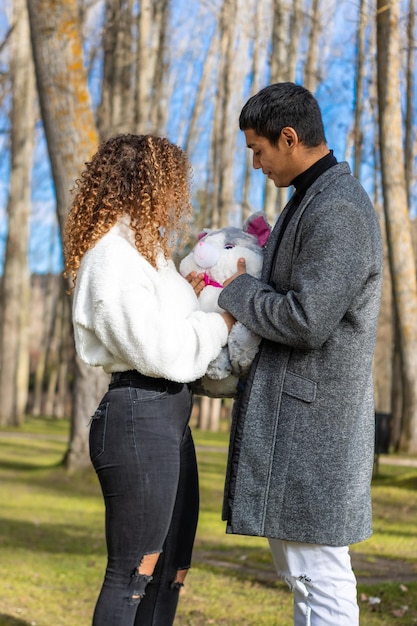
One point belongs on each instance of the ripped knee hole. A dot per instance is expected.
(139, 582)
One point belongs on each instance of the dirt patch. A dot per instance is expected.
(368, 569)
(373, 570)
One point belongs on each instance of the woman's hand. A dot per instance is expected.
(196, 281)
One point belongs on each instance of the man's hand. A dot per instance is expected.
(241, 269)
(196, 281)
(229, 319)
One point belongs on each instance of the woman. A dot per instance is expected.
(135, 316)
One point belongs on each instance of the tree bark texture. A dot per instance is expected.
(402, 263)
(360, 70)
(152, 22)
(14, 327)
(72, 139)
(116, 113)
(311, 73)
(63, 94)
(410, 142)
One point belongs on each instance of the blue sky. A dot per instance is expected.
(335, 95)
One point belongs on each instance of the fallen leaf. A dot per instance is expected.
(400, 612)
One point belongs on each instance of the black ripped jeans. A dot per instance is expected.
(143, 452)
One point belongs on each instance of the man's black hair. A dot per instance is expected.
(280, 105)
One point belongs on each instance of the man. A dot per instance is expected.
(301, 449)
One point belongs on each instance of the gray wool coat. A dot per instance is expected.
(302, 438)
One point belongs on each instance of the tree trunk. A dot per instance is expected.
(53, 356)
(396, 209)
(209, 414)
(145, 67)
(150, 112)
(310, 66)
(383, 357)
(71, 138)
(203, 421)
(255, 77)
(285, 43)
(222, 145)
(387, 378)
(14, 326)
(49, 305)
(295, 18)
(410, 107)
(116, 113)
(273, 197)
(159, 111)
(360, 69)
(228, 127)
(62, 406)
(397, 405)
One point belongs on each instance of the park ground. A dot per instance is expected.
(52, 549)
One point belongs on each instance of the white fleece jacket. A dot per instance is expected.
(128, 315)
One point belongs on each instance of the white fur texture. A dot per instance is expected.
(216, 255)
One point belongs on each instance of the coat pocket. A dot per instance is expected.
(299, 387)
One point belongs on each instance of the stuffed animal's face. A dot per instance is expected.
(217, 252)
(216, 255)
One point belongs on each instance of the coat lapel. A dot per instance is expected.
(271, 246)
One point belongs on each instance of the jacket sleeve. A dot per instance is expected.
(126, 318)
(332, 261)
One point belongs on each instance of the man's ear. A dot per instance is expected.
(289, 136)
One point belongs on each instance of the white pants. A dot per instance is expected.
(322, 581)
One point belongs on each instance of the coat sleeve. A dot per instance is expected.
(126, 318)
(332, 261)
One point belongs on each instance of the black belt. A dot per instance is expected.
(132, 378)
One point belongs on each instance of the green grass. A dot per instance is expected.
(52, 550)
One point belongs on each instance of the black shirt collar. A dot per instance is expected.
(304, 180)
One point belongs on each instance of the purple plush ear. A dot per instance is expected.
(257, 225)
(203, 233)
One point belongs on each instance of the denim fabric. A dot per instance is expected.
(142, 450)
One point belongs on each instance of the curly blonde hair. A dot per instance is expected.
(143, 176)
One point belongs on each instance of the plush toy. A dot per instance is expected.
(215, 255)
